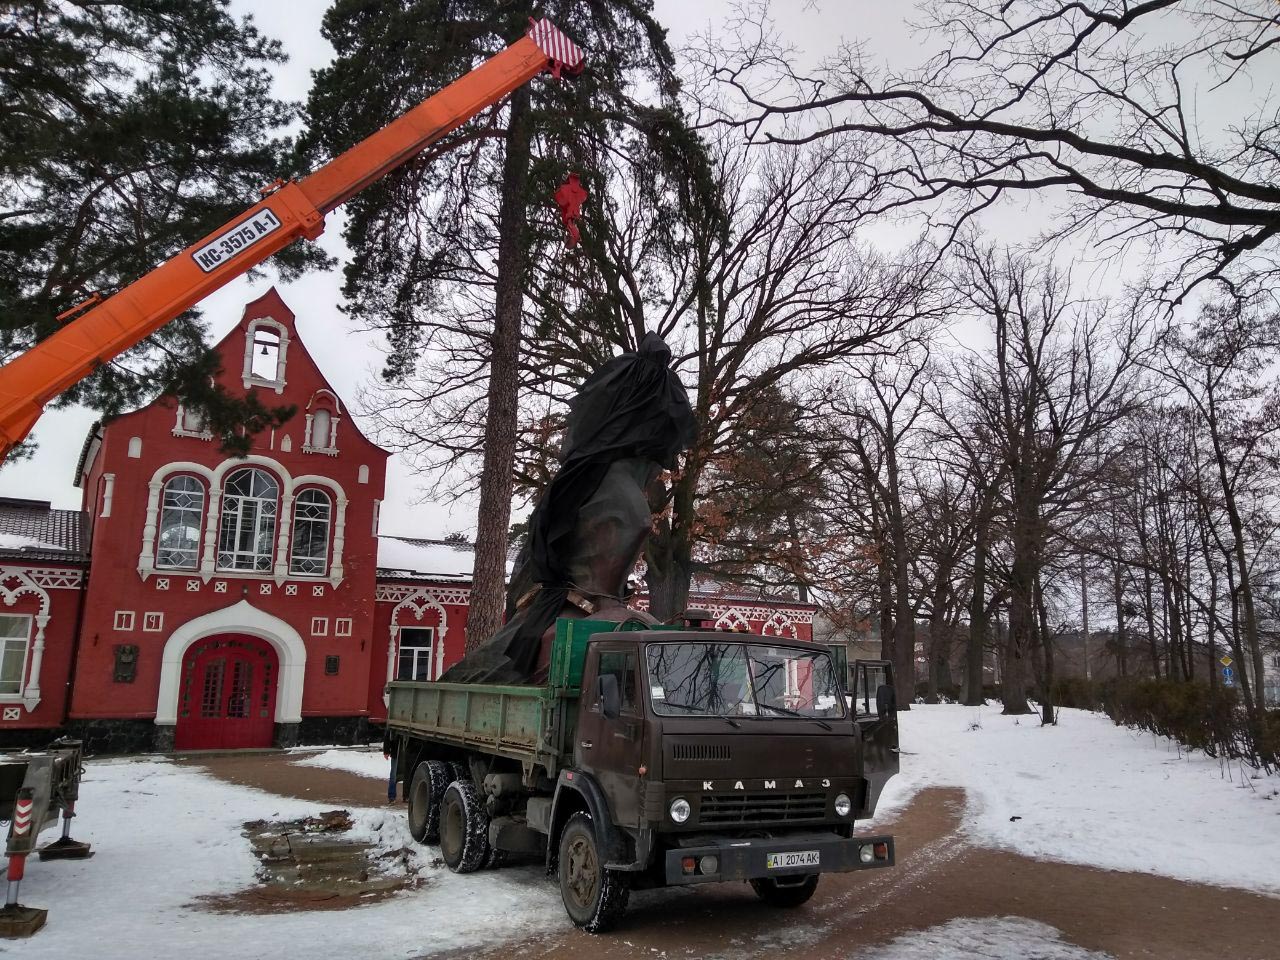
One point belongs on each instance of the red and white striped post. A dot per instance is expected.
(19, 844)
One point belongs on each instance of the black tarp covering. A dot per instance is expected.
(629, 418)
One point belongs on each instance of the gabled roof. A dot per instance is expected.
(33, 530)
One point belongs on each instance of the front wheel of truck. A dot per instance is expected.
(789, 892)
(594, 898)
(464, 828)
(425, 792)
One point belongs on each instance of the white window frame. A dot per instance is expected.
(342, 627)
(190, 424)
(420, 650)
(299, 503)
(319, 626)
(160, 527)
(11, 695)
(233, 505)
(123, 620)
(152, 622)
(249, 378)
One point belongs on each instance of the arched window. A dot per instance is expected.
(246, 539)
(181, 517)
(320, 421)
(311, 513)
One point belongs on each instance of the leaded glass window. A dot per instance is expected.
(311, 533)
(15, 631)
(181, 516)
(246, 537)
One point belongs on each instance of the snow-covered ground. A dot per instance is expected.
(166, 834)
(362, 762)
(1086, 791)
(988, 938)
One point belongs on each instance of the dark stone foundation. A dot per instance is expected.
(146, 736)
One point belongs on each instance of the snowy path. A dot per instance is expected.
(1089, 792)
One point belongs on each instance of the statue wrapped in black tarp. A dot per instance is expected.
(628, 421)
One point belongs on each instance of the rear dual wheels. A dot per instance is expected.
(464, 828)
(426, 790)
(594, 898)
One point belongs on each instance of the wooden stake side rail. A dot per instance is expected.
(33, 379)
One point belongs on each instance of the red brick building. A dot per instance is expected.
(201, 600)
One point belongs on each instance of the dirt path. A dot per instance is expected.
(938, 878)
(280, 774)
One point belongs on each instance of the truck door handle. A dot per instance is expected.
(585, 744)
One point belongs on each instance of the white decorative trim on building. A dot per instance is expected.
(784, 626)
(180, 427)
(247, 377)
(242, 617)
(397, 593)
(790, 615)
(24, 582)
(418, 602)
(53, 578)
(732, 620)
(108, 492)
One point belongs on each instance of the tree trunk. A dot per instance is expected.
(973, 693)
(939, 638)
(1047, 715)
(669, 550)
(1022, 629)
(488, 582)
(1122, 640)
(1148, 609)
(904, 662)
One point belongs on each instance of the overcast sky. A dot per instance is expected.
(349, 359)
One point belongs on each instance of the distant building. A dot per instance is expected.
(200, 600)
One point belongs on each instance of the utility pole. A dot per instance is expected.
(1084, 613)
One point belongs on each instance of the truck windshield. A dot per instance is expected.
(742, 679)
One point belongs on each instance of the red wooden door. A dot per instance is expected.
(227, 698)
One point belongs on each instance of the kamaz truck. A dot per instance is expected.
(654, 756)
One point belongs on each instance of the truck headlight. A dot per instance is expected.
(680, 810)
(843, 805)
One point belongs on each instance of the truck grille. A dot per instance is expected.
(701, 751)
(756, 808)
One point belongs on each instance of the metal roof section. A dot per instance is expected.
(33, 530)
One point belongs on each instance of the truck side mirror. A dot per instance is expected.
(886, 700)
(610, 698)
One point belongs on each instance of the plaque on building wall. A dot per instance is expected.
(126, 668)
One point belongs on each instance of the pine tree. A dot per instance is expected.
(464, 228)
(127, 131)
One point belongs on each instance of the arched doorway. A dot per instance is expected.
(227, 694)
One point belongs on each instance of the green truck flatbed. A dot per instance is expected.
(525, 723)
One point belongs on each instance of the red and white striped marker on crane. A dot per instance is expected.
(560, 50)
(22, 816)
(22, 808)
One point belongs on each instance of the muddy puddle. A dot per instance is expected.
(318, 863)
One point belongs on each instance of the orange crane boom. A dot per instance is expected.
(33, 379)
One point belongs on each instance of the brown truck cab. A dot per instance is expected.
(686, 757)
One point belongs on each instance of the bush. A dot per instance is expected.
(1193, 713)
